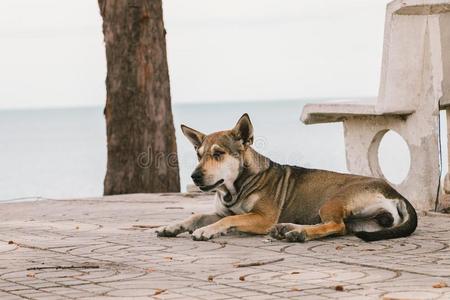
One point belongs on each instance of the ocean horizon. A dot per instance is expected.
(60, 153)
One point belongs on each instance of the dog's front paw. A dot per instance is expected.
(204, 234)
(170, 230)
(296, 236)
(278, 231)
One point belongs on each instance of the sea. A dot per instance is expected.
(61, 153)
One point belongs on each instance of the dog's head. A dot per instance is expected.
(220, 154)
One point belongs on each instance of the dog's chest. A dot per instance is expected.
(240, 207)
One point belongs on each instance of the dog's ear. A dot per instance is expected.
(243, 130)
(194, 136)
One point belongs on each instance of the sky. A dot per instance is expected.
(52, 52)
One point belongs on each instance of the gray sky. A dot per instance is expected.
(52, 53)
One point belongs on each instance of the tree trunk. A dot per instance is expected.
(142, 151)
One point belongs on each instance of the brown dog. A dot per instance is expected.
(256, 195)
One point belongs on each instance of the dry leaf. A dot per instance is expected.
(149, 270)
(440, 285)
(11, 242)
(339, 288)
(31, 275)
(295, 272)
(295, 289)
(242, 278)
(159, 291)
(339, 247)
(258, 263)
(168, 257)
(146, 226)
(210, 278)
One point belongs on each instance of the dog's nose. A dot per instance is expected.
(197, 176)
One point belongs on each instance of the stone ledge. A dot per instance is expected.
(337, 111)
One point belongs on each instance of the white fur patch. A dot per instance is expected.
(201, 150)
(221, 210)
(381, 203)
(370, 205)
(364, 225)
(228, 170)
(376, 203)
(245, 206)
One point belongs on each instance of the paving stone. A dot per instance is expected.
(262, 297)
(108, 258)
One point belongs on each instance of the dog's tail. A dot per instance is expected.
(405, 228)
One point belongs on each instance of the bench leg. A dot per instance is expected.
(362, 139)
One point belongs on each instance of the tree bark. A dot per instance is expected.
(142, 151)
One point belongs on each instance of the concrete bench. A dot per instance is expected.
(414, 86)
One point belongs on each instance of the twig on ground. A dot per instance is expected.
(258, 263)
(64, 267)
(146, 226)
(440, 285)
(159, 291)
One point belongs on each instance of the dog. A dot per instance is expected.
(256, 195)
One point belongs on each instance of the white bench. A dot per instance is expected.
(415, 84)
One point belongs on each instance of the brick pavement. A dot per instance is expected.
(104, 249)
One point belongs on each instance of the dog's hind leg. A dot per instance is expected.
(332, 216)
(317, 231)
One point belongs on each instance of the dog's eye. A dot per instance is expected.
(217, 154)
(199, 156)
